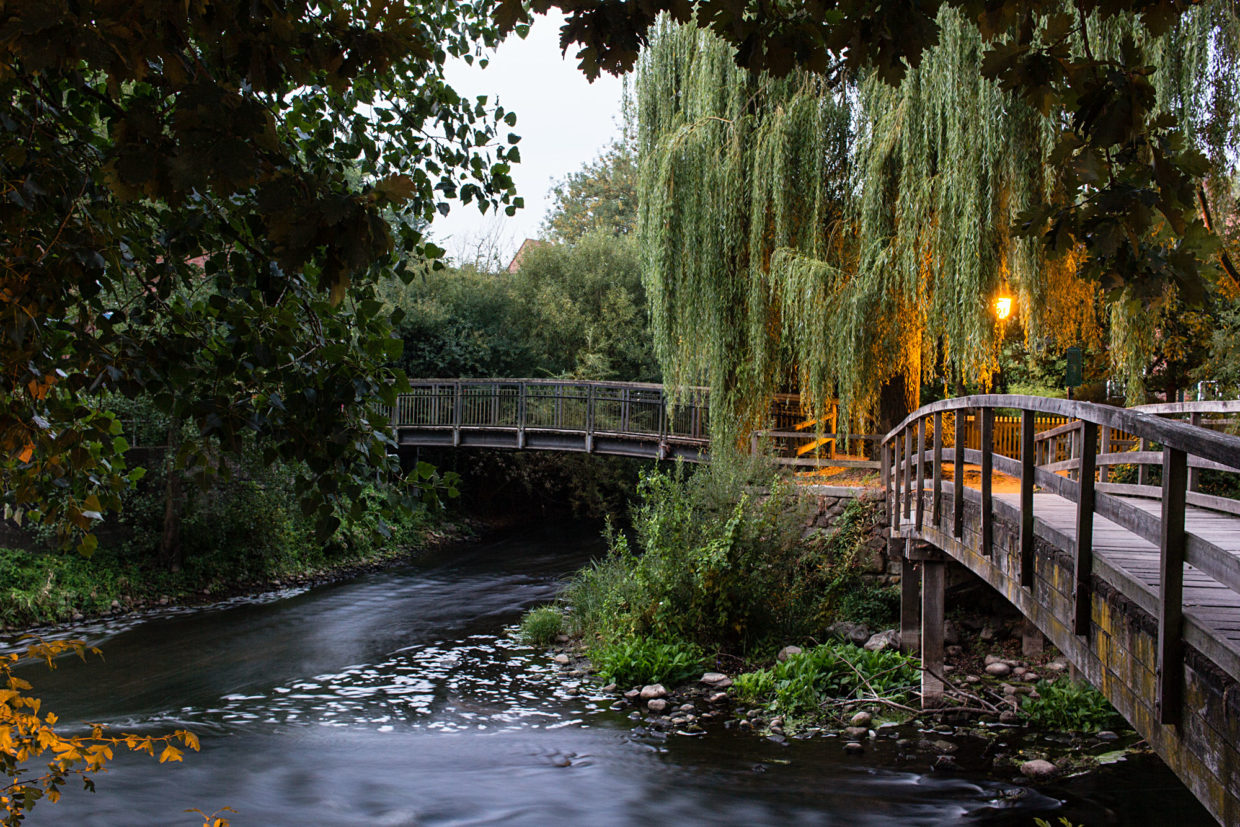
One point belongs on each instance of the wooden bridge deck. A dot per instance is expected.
(1138, 585)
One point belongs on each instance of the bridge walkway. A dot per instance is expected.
(1138, 584)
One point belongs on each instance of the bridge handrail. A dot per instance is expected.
(1141, 422)
(413, 383)
(1185, 448)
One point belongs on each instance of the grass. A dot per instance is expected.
(541, 625)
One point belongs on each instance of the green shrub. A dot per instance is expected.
(722, 559)
(541, 625)
(1071, 706)
(640, 661)
(832, 671)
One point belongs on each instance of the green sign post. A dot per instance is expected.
(1074, 373)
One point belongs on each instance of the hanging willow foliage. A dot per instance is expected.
(830, 241)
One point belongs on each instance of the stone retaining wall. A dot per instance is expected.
(878, 561)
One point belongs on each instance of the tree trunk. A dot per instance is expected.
(893, 403)
(170, 538)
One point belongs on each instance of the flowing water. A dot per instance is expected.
(401, 698)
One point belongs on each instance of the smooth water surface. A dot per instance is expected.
(401, 698)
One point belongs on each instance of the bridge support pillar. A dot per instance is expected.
(910, 602)
(932, 598)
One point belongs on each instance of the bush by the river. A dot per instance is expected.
(720, 559)
(638, 661)
(541, 625)
(1071, 706)
(834, 672)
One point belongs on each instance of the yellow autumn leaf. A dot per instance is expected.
(170, 753)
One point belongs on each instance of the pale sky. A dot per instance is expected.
(563, 120)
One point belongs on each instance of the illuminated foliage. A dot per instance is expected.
(28, 739)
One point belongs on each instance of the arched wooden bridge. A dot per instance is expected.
(1103, 532)
(617, 418)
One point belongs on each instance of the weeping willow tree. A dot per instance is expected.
(848, 243)
(734, 168)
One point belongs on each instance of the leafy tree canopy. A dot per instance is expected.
(839, 241)
(599, 197)
(196, 199)
(1126, 190)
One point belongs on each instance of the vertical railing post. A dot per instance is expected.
(521, 409)
(457, 404)
(589, 419)
(987, 445)
(1027, 467)
(1170, 673)
(1194, 474)
(936, 496)
(958, 479)
(884, 471)
(1143, 473)
(1104, 471)
(1082, 597)
(921, 474)
(898, 477)
(908, 473)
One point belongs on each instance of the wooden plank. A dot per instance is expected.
(1083, 562)
(958, 478)
(988, 452)
(1171, 591)
(921, 474)
(1026, 498)
(908, 473)
(936, 501)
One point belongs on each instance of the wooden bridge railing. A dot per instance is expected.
(611, 411)
(918, 450)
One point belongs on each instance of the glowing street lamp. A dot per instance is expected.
(1003, 307)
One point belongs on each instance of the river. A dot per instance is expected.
(401, 698)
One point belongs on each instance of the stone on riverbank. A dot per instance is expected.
(787, 652)
(716, 680)
(861, 719)
(889, 639)
(998, 669)
(656, 705)
(652, 691)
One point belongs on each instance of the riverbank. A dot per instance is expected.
(1017, 718)
(42, 590)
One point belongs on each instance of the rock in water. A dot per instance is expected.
(1038, 769)
(861, 719)
(716, 680)
(652, 691)
(656, 705)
